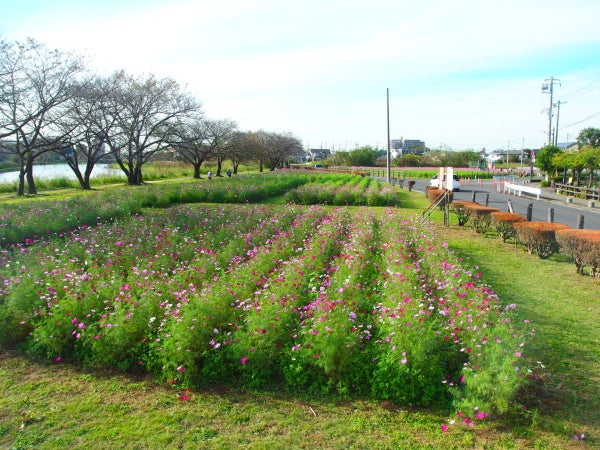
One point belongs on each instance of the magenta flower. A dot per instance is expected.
(243, 360)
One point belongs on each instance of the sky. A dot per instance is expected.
(461, 74)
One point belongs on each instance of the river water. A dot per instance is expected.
(51, 171)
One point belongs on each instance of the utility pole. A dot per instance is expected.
(548, 88)
(389, 175)
(558, 103)
(522, 147)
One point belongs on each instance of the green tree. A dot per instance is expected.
(338, 158)
(409, 160)
(544, 159)
(589, 137)
(590, 159)
(363, 156)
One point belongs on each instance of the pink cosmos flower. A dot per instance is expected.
(243, 360)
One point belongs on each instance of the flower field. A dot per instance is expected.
(26, 222)
(307, 298)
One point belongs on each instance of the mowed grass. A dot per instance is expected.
(54, 405)
(565, 310)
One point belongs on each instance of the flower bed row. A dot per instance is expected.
(28, 221)
(313, 299)
(366, 192)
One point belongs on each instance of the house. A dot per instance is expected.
(568, 146)
(318, 153)
(400, 147)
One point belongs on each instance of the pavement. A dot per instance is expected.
(550, 195)
(551, 206)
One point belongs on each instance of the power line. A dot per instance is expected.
(582, 120)
(584, 90)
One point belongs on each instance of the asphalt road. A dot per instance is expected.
(550, 204)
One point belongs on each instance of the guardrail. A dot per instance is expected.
(577, 191)
(519, 189)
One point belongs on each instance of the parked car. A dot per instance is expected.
(318, 166)
(455, 182)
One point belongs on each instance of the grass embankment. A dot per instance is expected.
(57, 406)
(564, 309)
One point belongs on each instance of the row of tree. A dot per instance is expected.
(369, 157)
(585, 158)
(51, 102)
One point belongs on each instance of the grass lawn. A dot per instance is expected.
(52, 405)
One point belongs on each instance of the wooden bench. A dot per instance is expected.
(518, 189)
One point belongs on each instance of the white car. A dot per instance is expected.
(455, 182)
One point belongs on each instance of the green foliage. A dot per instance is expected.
(450, 158)
(492, 375)
(258, 296)
(462, 212)
(364, 156)
(589, 136)
(545, 158)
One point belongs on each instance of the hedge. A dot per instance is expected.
(504, 222)
(583, 246)
(539, 237)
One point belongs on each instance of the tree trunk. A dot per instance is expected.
(31, 189)
(135, 177)
(73, 163)
(219, 165)
(79, 175)
(197, 170)
(85, 182)
(21, 188)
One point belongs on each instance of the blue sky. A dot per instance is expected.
(462, 74)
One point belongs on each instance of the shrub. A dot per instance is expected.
(582, 246)
(539, 237)
(434, 195)
(462, 211)
(504, 222)
(480, 217)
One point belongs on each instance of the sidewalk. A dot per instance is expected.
(550, 195)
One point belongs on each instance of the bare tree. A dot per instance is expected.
(280, 148)
(144, 111)
(189, 142)
(89, 120)
(243, 148)
(219, 139)
(35, 83)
